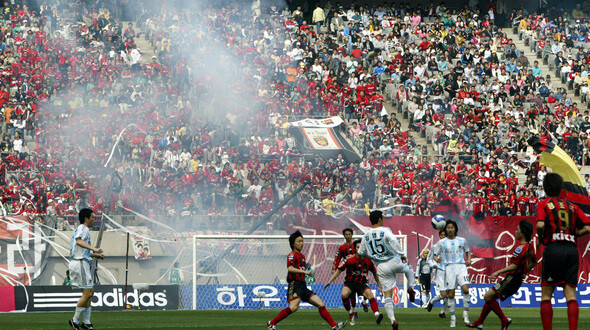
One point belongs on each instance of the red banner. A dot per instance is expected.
(491, 240)
(18, 240)
(7, 298)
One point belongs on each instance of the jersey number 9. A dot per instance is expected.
(564, 219)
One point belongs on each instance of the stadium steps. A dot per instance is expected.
(420, 141)
(144, 45)
(146, 49)
(532, 57)
(351, 143)
(72, 40)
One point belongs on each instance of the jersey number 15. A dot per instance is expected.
(376, 246)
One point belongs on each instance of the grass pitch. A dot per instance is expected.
(522, 318)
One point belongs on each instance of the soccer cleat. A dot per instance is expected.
(87, 326)
(270, 326)
(411, 294)
(339, 325)
(379, 318)
(453, 321)
(429, 307)
(394, 325)
(352, 318)
(475, 325)
(442, 315)
(365, 305)
(73, 324)
(506, 324)
(466, 317)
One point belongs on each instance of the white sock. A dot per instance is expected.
(388, 304)
(410, 275)
(445, 305)
(78, 313)
(466, 301)
(350, 311)
(87, 312)
(424, 298)
(436, 298)
(451, 303)
(354, 309)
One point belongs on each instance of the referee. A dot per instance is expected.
(423, 275)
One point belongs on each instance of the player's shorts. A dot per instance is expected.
(507, 287)
(388, 270)
(298, 289)
(440, 280)
(425, 282)
(456, 275)
(560, 265)
(80, 275)
(357, 288)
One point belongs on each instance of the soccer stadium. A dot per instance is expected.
(227, 163)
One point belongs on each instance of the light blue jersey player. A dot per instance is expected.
(451, 253)
(81, 252)
(384, 249)
(439, 278)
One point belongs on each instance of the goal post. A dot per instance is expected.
(249, 271)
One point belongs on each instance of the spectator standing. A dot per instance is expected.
(318, 17)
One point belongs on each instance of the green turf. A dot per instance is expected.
(523, 318)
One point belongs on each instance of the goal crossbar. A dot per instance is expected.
(273, 237)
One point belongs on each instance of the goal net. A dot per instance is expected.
(250, 271)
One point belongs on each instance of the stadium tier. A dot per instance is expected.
(201, 134)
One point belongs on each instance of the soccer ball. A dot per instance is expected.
(438, 222)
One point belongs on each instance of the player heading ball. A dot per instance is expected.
(297, 289)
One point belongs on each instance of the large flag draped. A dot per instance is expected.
(574, 189)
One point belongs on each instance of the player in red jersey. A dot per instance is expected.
(297, 290)
(523, 260)
(559, 223)
(357, 269)
(344, 251)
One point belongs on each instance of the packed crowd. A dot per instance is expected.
(562, 41)
(201, 129)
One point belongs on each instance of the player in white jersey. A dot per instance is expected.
(383, 248)
(439, 275)
(81, 252)
(451, 251)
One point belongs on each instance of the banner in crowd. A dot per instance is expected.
(217, 297)
(106, 297)
(491, 240)
(141, 246)
(21, 251)
(324, 122)
(321, 138)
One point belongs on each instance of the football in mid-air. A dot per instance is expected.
(438, 222)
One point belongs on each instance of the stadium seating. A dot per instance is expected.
(189, 107)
